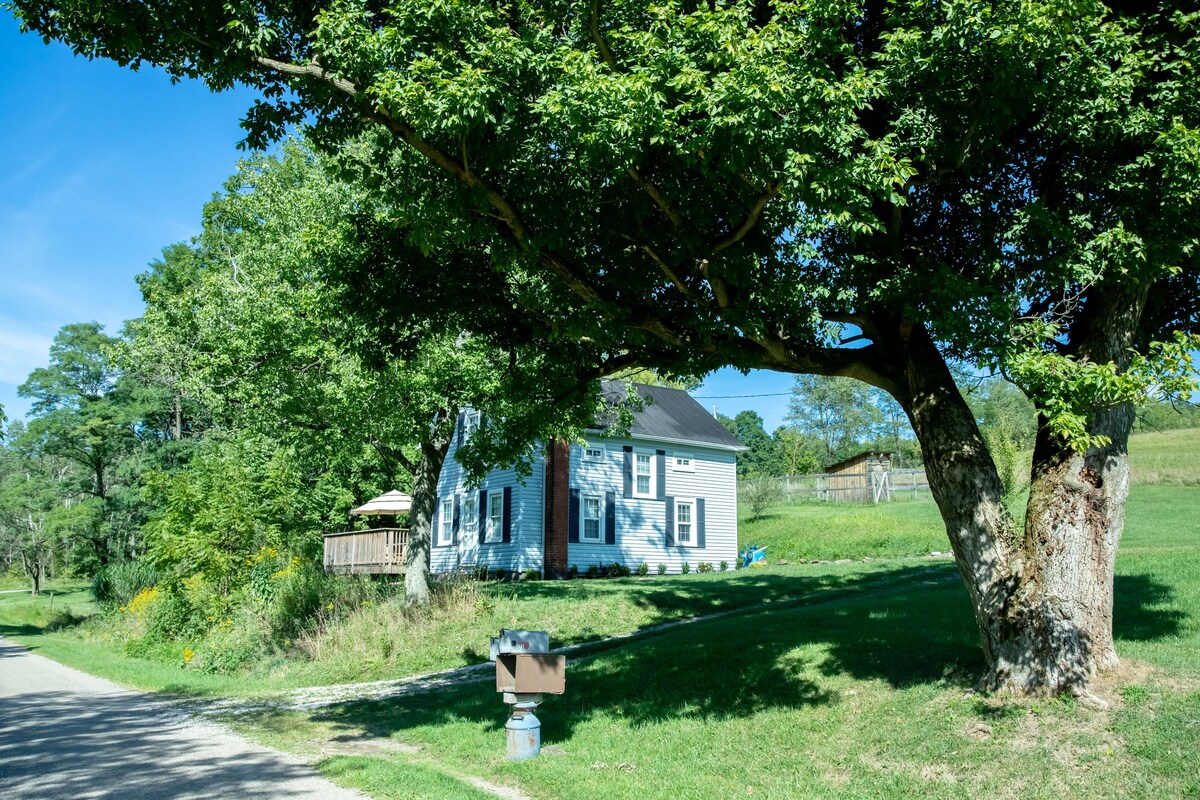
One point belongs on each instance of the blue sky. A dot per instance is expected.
(100, 168)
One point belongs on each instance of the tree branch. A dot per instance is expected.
(649, 188)
(750, 220)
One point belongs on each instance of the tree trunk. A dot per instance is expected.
(965, 484)
(420, 519)
(34, 572)
(1044, 599)
(1060, 626)
(1059, 630)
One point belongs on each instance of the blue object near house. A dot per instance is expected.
(753, 555)
(665, 493)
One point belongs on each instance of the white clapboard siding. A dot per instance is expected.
(641, 523)
(524, 551)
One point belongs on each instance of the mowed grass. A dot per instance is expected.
(832, 531)
(863, 695)
(864, 692)
(911, 525)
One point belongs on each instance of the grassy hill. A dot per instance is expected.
(912, 527)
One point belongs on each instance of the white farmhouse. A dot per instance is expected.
(664, 494)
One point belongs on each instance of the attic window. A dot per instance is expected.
(593, 453)
(470, 424)
(683, 462)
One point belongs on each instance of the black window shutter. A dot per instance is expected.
(573, 517)
(433, 524)
(610, 517)
(670, 521)
(700, 522)
(457, 516)
(507, 513)
(628, 471)
(662, 474)
(459, 427)
(481, 517)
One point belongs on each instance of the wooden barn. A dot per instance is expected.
(862, 478)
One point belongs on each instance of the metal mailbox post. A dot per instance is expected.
(525, 671)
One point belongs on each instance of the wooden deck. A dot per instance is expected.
(380, 551)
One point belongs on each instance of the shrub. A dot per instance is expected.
(593, 571)
(704, 566)
(724, 566)
(761, 494)
(299, 596)
(618, 570)
(161, 616)
(501, 573)
(533, 575)
(662, 569)
(117, 584)
(685, 569)
(643, 569)
(573, 571)
(232, 644)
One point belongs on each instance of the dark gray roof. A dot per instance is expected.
(671, 414)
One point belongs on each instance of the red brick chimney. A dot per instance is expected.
(558, 498)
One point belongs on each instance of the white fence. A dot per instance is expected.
(862, 487)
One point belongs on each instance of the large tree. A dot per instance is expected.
(862, 189)
(250, 326)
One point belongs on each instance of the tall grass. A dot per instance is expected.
(1171, 458)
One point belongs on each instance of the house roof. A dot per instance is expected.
(388, 504)
(671, 415)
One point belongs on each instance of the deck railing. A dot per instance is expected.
(379, 551)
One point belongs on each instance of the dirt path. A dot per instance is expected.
(66, 735)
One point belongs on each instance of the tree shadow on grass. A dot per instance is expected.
(678, 598)
(1143, 609)
(921, 632)
(734, 666)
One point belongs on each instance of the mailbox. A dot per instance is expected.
(525, 670)
(510, 641)
(531, 673)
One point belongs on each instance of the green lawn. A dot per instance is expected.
(380, 641)
(863, 696)
(1170, 457)
(831, 531)
(853, 683)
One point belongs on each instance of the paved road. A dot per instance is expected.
(65, 735)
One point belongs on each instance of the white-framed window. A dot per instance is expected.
(685, 522)
(471, 420)
(643, 475)
(593, 452)
(470, 514)
(495, 509)
(682, 462)
(446, 522)
(592, 529)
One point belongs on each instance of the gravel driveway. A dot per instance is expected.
(70, 736)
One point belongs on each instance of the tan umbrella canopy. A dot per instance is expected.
(386, 505)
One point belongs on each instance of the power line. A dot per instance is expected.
(737, 396)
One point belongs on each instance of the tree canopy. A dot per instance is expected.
(860, 189)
